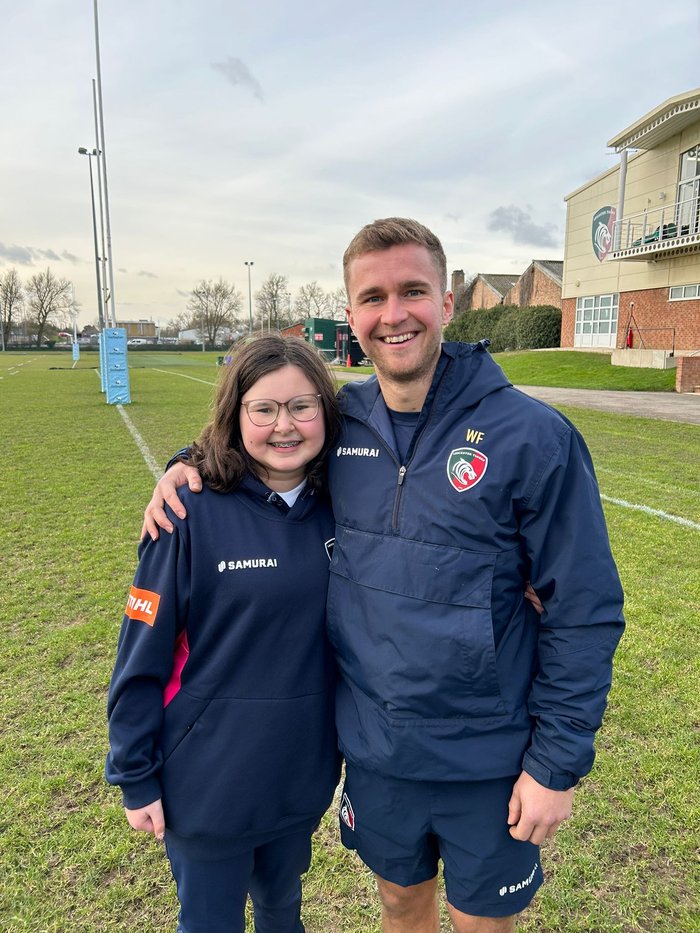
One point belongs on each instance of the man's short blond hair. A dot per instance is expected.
(395, 231)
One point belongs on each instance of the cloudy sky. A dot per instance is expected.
(272, 131)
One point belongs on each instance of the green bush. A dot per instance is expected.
(470, 326)
(506, 333)
(508, 327)
(540, 327)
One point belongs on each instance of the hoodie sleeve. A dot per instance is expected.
(573, 572)
(155, 613)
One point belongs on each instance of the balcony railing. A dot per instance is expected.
(670, 229)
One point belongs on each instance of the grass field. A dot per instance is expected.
(579, 370)
(73, 486)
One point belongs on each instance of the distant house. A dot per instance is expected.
(146, 330)
(294, 330)
(487, 291)
(540, 284)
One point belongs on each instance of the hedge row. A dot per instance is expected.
(509, 327)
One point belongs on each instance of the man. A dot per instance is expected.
(465, 720)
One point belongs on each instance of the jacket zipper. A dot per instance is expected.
(403, 469)
(397, 499)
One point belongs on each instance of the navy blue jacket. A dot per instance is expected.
(446, 672)
(221, 700)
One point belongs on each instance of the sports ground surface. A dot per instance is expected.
(76, 474)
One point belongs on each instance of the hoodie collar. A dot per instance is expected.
(261, 497)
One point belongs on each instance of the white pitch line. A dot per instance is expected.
(658, 513)
(141, 444)
(169, 372)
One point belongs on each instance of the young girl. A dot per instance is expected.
(221, 703)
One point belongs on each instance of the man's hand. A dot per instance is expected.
(154, 518)
(148, 819)
(535, 811)
(533, 598)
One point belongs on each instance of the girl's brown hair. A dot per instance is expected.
(218, 453)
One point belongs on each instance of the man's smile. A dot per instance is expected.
(399, 338)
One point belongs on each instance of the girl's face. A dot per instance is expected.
(285, 447)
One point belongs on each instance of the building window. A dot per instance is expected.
(689, 191)
(596, 321)
(681, 292)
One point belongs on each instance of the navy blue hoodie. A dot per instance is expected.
(446, 672)
(221, 700)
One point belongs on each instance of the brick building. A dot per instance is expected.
(632, 250)
(540, 284)
(147, 330)
(488, 291)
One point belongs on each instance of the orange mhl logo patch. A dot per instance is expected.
(142, 605)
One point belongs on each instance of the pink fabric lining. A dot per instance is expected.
(182, 652)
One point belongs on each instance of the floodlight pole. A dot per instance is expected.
(250, 298)
(111, 310)
(100, 312)
(103, 254)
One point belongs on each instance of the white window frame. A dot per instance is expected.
(688, 197)
(595, 324)
(687, 292)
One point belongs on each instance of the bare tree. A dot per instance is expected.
(11, 299)
(175, 325)
(47, 298)
(182, 321)
(312, 301)
(273, 303)
(216, 308)
(337, 303)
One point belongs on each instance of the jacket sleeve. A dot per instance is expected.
(573, 572)
(155, 613)
(182, 455)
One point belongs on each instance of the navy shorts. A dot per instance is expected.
(400, 829)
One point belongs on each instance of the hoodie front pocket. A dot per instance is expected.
(179, 718)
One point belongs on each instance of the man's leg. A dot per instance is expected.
(489, 876)
(467, 923)
(409, 910)
(386, 821)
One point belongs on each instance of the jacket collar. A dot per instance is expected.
(465, 373)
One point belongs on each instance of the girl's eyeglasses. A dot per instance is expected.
(265, 411)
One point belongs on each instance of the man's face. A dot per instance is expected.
(397, 310)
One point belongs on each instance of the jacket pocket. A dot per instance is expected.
(411, 624)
